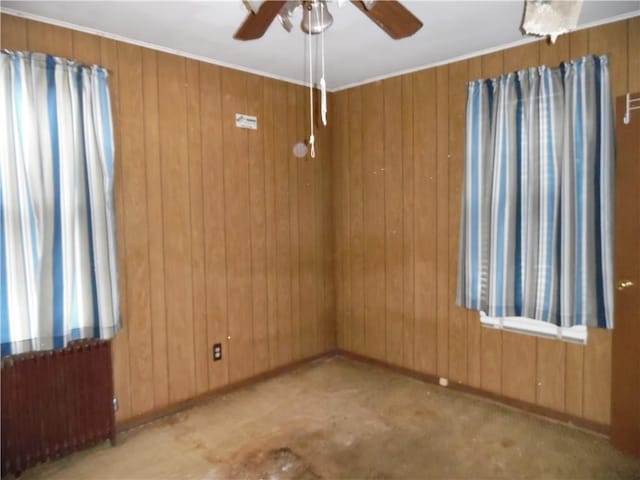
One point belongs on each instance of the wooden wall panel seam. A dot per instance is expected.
(160, 255)
(224, 223)
(251, 257)
(349, 309)
(120, 345)
(149, 273)
(204, 229)
(136, 226)
(266, 228)
(123, 271)
(190, 161)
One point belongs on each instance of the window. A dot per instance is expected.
(536, 231)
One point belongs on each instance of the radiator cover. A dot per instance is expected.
(55, 403)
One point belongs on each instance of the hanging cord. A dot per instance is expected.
(323, 83)
(312, 139)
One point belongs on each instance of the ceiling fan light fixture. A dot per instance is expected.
(319, 20)
(368, 4)
(253, 6)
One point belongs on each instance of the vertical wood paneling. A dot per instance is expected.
(211, 219)
(356, 217)
(339, 247)
(326, 325)
(135, 226)
(552, 54)
(198, 268)
(442, 224)
(393, 218)
(177, 225)
(612, 39)
(561, 376)
(408, 221)
(237, 226)
(119, 345)
(13, 34)
(634, 55)
(574, 379)
(336, 169)
(341, 208)
(294, 231)
(316, 255)
(597, 376)
(45, 38)
(214, 206)
(308, 291)
(255, 92)
(174, 292)
(155, 226)
(270, 215)
(283, 238)
(578, 43)
(424, 150)
(86, 48)
(374, 219)
(550, 371)
(474, 328)
(458, 351)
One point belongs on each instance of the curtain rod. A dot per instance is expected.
(76, 62)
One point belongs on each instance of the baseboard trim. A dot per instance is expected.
(526, 407)
(530, 408)
(159, 413)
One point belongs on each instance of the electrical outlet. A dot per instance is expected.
(217, 352)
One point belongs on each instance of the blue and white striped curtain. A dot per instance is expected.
(58, 270)
(536, 237)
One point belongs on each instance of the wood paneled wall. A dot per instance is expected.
(223, 235)
(398, 165)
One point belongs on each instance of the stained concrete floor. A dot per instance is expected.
(338, 418)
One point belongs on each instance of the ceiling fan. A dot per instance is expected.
(390, 15)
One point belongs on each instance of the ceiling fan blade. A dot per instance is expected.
(392, 17)
(256, 24)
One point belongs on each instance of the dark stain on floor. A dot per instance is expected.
(339, 419)
(280, 463)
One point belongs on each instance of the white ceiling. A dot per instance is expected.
(356, 49)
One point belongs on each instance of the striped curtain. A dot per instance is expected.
(536, 237)
(58, 276)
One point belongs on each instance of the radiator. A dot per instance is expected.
(55, 403)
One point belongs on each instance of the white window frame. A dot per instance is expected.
(538, 328)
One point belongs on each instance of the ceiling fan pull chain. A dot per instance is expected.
(312, 139)
(323, 83)
(323, 99)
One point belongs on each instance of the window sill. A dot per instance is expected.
(528, 326)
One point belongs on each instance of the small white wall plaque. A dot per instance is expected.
(246, 121)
